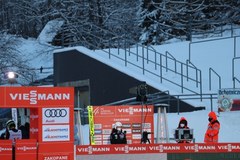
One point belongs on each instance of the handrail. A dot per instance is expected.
(159, 98)
(173, 58)
(233, 69)
(209, 40)
(189, 62)
(235, 79)
(121, 43)
(210, 78)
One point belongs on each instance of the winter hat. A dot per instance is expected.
(10, 123)
(183, 120)
(212, 115)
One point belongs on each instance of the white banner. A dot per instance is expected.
(14, 116)
(55, 115)
(55, 133)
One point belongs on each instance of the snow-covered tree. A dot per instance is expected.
(161, 20)
(12, 60)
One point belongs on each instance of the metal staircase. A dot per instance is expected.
(162, 68)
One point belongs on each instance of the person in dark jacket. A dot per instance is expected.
(13, 133)
(183, 124)
(118, 136)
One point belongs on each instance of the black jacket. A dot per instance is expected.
(118, 137)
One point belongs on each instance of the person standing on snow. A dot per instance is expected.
(211, 135)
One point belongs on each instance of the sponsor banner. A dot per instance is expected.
(2, 96)
(53, 129)
(55, 115)
(6, 149)
(228, 99)
(91, 124)
(158, 148)
(52, 133)
(56, 157)
(15, 116)
(56, 151)
(38, 96)
(131, 117)
(34, 123)
(26, 149)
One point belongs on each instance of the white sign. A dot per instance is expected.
(227, 97)
(55, 115)
(14, 116)
(52, 133)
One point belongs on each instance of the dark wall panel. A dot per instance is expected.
(106, 84)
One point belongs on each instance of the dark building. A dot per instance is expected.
(95, 82)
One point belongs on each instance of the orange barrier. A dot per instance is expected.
(158, 148)
(6, 149)
(26, 149)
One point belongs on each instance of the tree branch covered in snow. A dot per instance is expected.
(147, 21)
(12, 60)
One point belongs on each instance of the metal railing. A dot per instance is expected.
(164, 97)
(234, 78)
(209, 40)
(210, 78)
(142, 53)
(234, 81)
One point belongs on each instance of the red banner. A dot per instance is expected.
(131, 118)
(2, 96)
(26, 149)
(36, 96)
(56, 151)
(158, 148)
(6, 149)
(34, 118)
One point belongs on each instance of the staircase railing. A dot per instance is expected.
(210, 78)
(234, 78)
(164, 97)
(234, 81)
(143, 55)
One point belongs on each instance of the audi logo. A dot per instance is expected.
(55, 113)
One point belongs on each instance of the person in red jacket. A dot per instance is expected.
(211, 135)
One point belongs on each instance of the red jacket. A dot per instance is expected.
(211, 135)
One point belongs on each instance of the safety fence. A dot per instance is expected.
(28, 150)
(166, 151)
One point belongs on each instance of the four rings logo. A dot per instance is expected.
(55, 113)
(51, 113)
